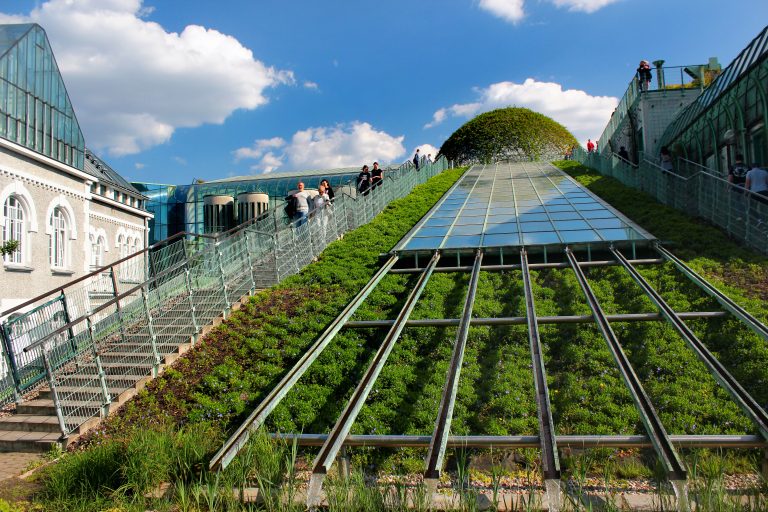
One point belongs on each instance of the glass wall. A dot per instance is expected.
(35, 110)
(179, 208)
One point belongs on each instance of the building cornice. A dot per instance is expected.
(115, 220)
(130, 209)
(34, 155)
(43, 183)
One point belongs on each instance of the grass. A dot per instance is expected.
(165, 434)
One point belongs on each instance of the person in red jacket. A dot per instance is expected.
(590, 146)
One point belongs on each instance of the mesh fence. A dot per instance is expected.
(695, 190)
(103, 333)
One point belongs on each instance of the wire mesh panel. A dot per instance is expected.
(696, 190)
(143, 307)
(23, 331)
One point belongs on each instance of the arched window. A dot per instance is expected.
(124, 243)
(14, 229)
(98, 245)
(58, 239)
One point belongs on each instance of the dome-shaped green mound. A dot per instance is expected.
(508, 134)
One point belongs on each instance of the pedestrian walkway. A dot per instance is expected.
(14, 463)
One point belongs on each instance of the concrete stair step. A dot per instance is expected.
(34, 442)
(30, 423)
(45, 393)
(43, 407)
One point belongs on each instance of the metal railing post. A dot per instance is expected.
(115, 294)
(188, 282)
(220, 258)
(68, 319)
(54, 393)
(250, 263)
(99, 369)
(152, 335)
(5, 337)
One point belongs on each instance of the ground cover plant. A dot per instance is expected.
(214, 386)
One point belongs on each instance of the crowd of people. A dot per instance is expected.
(302, 203)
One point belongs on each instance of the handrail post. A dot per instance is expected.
(99, 369)
(115, 294)
(152, 335)
(68, 319)
(250, 262)
(54, 393)
(188, 282)
(219, 259)
(5, 337)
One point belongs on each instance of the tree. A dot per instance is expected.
(508, 134)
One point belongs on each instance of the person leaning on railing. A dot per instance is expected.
(757, 181)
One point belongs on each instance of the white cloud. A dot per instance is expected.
(509, 10)
(587, 6)
(133, 83)
(310, 85)
(426, 149)
(343, 145)
(139, 166)
(584, 115)
(179, 160)
(258, 148)
(514, 10)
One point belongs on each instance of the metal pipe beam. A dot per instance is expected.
(743, 399)
(753, 323)
(575, 441)
(532, 266)
(335, 440)
(519, 320)
(547, 441)
(439, 442)
(234, 444)
(653, 426)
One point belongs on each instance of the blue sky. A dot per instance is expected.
(172, 90)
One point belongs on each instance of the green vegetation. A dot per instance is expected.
(507, 134)
(8, 247)
(168, 432)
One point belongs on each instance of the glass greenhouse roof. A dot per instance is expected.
(519, 204)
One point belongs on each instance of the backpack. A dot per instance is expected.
(290, 206)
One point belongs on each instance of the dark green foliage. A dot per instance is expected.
(507, 134)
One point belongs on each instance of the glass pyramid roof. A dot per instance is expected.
(35, 109)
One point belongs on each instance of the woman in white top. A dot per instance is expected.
(322, 202)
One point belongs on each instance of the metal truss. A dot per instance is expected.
(656, 436)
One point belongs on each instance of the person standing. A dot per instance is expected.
(302, 205)
(590, 146)
(623, 154)
(322, 203)
(666, 164)
(416, 159)
(328, 189)
(364, 181)
(644, 75)
(757, 181)
(737, 173)
(377, 175)
(429, 159)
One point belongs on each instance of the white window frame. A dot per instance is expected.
(58, 241)
(14, 228)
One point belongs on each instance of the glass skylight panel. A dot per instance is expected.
(509, 205)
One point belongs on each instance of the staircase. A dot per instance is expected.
(96, 342)
(127, 367)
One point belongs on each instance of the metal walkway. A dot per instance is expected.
(442, 251)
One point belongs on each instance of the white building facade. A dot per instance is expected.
(70, 212)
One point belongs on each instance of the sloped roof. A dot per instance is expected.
(11, 34)
(98, 168)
